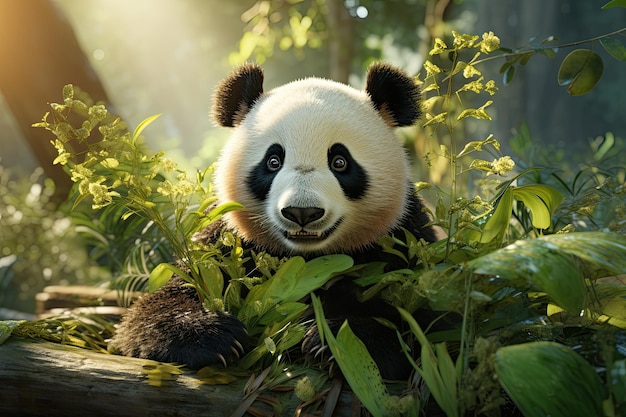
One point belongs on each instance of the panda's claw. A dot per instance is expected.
(240, 349)
(222, 359)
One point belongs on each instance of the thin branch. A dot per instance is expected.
(565, 45)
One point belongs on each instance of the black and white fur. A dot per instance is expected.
(318, 169)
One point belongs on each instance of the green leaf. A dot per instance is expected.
(614, 48)
(508, 75)
(356, 364)
(438, 370)
(541, 200)
(548, 264)
(615, 3)
(538, 264)
(161, 274)
(295, 279)
(142, 126)
(549, 379)
(499, 220)
(580, 71)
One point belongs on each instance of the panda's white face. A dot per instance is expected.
(317, 168)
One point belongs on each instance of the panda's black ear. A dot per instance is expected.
(235, 95)
(394, 94)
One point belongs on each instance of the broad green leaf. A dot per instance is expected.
(541, 200)
(580, 71)
(549, 379)
(605, 251)
(547, 263)
(614, 48)
(539, 264)
(356, 364)
(615, 3)
(143, 125)
(212, 279)
(317, 272)
(282, 283)
(297, 278)
(161, 274)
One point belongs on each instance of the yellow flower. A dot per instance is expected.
(463, 40)
(475, 86)
(490, 87)
(80, 172)
(431, 69)
(502, 165)
(489, 43)
(97, 112)
(439, 47)
(168, 165)
(469, 71)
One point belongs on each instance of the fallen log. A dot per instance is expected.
(46, 379)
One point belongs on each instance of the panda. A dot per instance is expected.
(318, 170)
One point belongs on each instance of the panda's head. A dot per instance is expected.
(315, 163)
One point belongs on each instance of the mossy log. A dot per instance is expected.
(47, 379)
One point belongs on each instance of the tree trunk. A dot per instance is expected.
(40, 54)
(340, 40)
(42, 378)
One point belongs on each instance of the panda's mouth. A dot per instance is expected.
(311, 235)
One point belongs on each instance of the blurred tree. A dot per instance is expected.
(352, 33)
(40, 54)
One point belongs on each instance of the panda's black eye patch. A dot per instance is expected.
(351, 176)
(260, 178)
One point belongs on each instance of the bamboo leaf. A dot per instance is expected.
(437, 369)
(549, 379)
(356, 364)
(141, 126)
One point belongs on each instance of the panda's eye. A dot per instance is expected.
(274, 163)
(339, 163)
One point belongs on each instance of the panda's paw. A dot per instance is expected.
(211, 338)
(172, 325)
(194, 338)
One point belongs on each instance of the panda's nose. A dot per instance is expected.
(302, 215)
